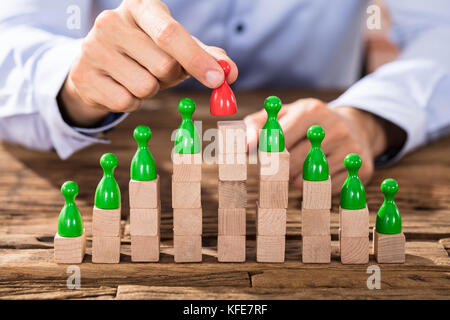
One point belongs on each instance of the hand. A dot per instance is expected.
(130, 54)
(347, 130)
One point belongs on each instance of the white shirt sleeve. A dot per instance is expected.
(413, 91)
(36, 54)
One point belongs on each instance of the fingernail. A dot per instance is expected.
(214, 78)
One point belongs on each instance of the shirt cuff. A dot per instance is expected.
(52, 66)
(387, 101)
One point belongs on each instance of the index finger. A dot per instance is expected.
(154, 18)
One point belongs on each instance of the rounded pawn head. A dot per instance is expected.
(186, 107)
(108, 161)
(142, 134)
(69, 190)
(389, 187)
(225, 66)
(272, 105)
(315, 134)
(352, 162)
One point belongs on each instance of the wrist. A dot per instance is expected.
(75, 111)
(370, 126)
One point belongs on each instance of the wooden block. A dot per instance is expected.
(186, 194)
(69, 250)
(316, 249)
(231, 158)
(270, 221)
(187, 221)
(389, 248)
(187, 167)
(354, 223)
(106, 222)
(105, 249)
(273, 166)
(144, 194)
(315, 222)
(232, 222)
(232, 194)
(270, 248)
(317, 194)
(145, 248)
(187, 248)
(145, 222)
(233, 172)
(273, 194)
(354, 250)
(232, 137)
(230, 248)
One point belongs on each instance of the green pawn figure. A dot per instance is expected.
(315, 167)
(353, 195)
(388, 217)
(271, 138)
(143, 166)
(70, 223)
(107, 195)
(187, 139)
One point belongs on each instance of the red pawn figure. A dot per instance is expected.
(223, 102)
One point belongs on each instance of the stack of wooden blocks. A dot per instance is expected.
(187, 207)
(316, 207)
(106, 234)
(354, 235)
(271, 208)
(145, 217)
(232, 161)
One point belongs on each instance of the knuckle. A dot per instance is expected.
(106, 20)
(316, 106)
(166, 33)
(145, 86)
(122, 102)
(165, 67)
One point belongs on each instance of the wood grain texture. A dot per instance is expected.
(144, 194)
(230, 248)
(273, 166)
(187, 248)
(187, 221)
(270, 221)
(317, 194)
(69, 250)
(186, 194)
(232, 194)
(273, 194)
(354, 223)
(389, 248)
(233, 172)
(270, 249)
(354, 250)
(145, 222)
(231, 221)
(187, 167)
(145, 248)
(106, 222)
(315, 222)
(105, 249)
(316, 249)
(31, 200)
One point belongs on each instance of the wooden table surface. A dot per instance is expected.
(30, 202)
